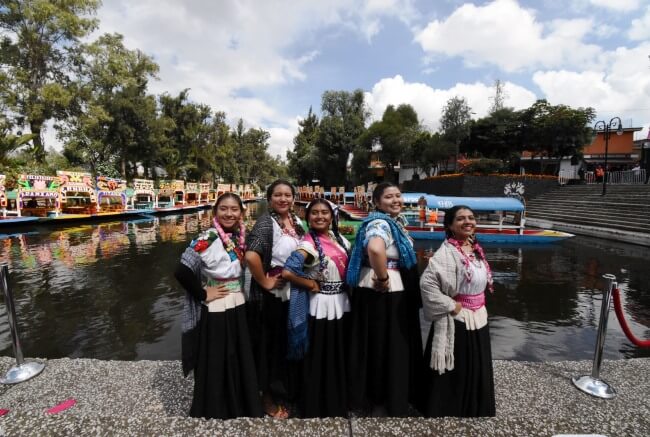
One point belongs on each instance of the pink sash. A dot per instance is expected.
(471, 301)
(334, 252)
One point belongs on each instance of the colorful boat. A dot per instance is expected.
(144, 197)
(500, 220)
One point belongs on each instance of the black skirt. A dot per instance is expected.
(385, 350)
(324, 391)
(276, 375)
(225, 381)
(468, 389)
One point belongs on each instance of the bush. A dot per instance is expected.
(483, 166)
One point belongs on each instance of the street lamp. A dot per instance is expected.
(607, 130)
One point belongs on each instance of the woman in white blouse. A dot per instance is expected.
(459, 381)
(318, 313)
(217, 347)
(273, 238)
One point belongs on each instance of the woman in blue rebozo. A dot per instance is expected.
(385, 351)
(319, 311)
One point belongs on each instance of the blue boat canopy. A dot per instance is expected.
(476, 203)
(412, 198)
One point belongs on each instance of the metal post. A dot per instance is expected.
(22, 371)
(593, 385)
(607, 132)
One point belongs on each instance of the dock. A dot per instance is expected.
(143, 398)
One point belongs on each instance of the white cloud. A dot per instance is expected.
(618, 5)
(507, 35)
(640, 28)
(223, 50)
(621, 89)
(428, 102)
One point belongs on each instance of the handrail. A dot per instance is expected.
(618, 309)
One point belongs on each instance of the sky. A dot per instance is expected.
(269, 61)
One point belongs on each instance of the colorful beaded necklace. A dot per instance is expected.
(467, 259)
(234, 251)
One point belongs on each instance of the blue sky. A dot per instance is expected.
(268, 61)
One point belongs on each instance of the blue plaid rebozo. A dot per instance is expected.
(407, 256)
(298, 320)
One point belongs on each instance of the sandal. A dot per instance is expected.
(280, 413)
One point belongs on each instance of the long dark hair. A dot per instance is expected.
(335, 220)
(379, 190)
(275, 183)
(450, 215)
(224, 196)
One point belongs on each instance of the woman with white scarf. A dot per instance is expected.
(460, 379)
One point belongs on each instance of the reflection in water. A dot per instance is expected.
(107, 291)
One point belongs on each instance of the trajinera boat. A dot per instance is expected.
(499, 219)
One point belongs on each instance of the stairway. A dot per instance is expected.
(624, 209)
(353, 212)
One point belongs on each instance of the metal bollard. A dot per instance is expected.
(22, 371)
(593, 385)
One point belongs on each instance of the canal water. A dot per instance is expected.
(107, 291)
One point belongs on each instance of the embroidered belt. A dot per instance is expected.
(471, 301)
(234, 285)
(332, 287)
(391, 264)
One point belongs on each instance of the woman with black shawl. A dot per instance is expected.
(273, 238)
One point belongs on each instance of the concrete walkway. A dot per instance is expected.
(143, 398)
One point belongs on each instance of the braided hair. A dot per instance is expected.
(335, 219)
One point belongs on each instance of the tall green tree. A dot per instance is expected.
(429, 151)
(342, 123)
(497, 135)
(556, 131)
(455, 122)
(115, 124)
(38, 48)
(391, 137)
(303, 160)
(184, 153)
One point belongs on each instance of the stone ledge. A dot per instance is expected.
(125, 398)
(642, 239)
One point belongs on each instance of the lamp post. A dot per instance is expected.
(607, 130)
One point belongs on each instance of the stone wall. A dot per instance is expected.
(480, 186)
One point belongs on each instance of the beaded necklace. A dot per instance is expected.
(295, 230)
(467, 259)
(234, 251)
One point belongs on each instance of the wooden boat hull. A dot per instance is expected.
(484, 235)
(14, 221)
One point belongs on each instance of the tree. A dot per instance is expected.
(455, 122)
(303, 160)
(556, 131)
(37, 51)
(496, 136)
(184, 152)
(342, 123)
(429, 150)
(392, 136)
(116, 118)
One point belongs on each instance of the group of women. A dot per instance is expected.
(327, 328)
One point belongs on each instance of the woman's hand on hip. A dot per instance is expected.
(216, 292)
